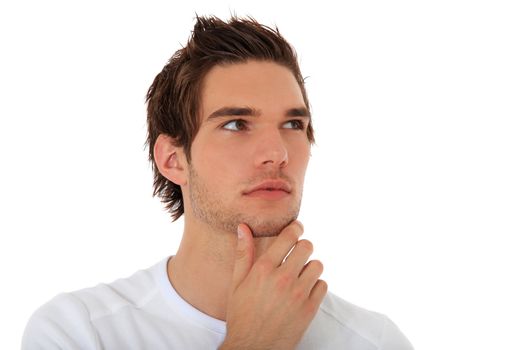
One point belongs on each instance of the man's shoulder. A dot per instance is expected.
(73, 313)
(350, 315)
(354, 322)
(63, 322)
(107, 298)
(351, 318)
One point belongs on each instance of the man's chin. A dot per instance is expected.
(268, 228)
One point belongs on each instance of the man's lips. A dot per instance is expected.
(271, 195)
(270, 186)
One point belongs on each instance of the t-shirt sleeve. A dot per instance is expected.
(61, 323)
(392, 338)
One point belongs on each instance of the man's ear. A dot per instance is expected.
(170, 159)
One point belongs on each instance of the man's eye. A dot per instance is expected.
(235, 125)
(294, 124)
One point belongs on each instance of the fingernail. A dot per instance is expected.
(239, 232)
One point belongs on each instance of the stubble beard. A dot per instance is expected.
(208, 208)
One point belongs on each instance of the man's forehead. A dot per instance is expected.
(248, 88)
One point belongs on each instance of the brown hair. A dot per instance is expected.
(173, 99)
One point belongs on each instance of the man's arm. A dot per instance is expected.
(273, 302)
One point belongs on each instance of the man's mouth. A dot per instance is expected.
(269, 194)
(271, 185)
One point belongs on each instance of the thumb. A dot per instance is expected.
(244, 253)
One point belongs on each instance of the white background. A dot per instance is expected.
(414, 197)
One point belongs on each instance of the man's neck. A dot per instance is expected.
(202, 269)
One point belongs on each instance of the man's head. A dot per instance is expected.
(230, 71)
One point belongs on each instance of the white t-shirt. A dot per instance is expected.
(144, 311)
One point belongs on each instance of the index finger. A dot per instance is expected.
(284, 243)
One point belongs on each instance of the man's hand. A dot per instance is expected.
(272, 301)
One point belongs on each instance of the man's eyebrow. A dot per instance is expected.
(252, 112)
(298, 112)
(235, 111)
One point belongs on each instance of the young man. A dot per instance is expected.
(229, 135)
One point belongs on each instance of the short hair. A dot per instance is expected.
(173, 99)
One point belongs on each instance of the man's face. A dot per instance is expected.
(250, 155)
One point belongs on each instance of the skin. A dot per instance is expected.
(230, 261)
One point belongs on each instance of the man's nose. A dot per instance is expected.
(271, 150)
